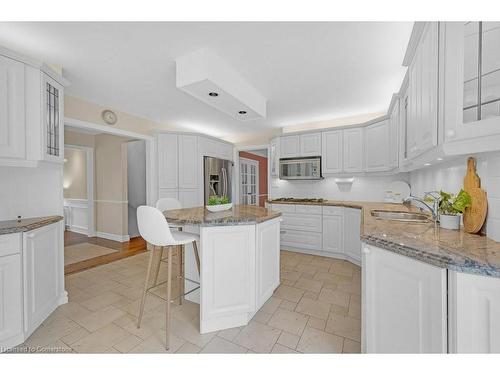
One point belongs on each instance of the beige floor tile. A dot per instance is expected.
(335, 297)
(100, 318)
(219, 345)
(100, 340)
(316, 341)
(309, 285)
(262, 317)
(127, 344)
(326, 277)
(190, 332)
(287, 305)
(354, 309)
(102, 300)
(287, 282)
(356, 298)
(50, 333)
(280, 349)
(317, 309)
(156, 344)
(230, 333)
(288, 321)
(290, 275)
(311, 295)
(258, 337)
(351, 346)
(344, 326)
(339, 310)
(342, 269)
(289, 293)
(188, 348)
(288, 340)
(306, 268)
(74, 336)
(316, 323)
(271, 305)
(129, 323)
(350, 287)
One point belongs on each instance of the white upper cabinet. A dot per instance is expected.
(275, 157)
(353, 150)
(331, 160)
(167, 161)
(310, 144)
(377, 146)
(52, 129)
(214, 148)
(422, 127)
(394, 136)
(12, 104)
(188, 165)
(289, 146)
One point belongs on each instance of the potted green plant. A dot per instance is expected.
(216, 204)
(451, 207)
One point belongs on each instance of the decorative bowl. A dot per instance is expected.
(220, 207)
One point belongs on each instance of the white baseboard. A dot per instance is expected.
(77, 229)
(322, 254)
(113, 237)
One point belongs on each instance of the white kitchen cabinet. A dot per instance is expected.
(43, 274)
(302, 222)
(353, 150)
(274, 157)
(331, 152)
(188, 163)
(377, 147)
(12, 107)
(352, 229)
(422, 127)
(299, 239)
(404, 304)
(267, 261)
(310, 144)
(168, 193)
(333, 233)
(189, 198)
(215, 148)
(168, 161)
(394, 125)
(474, 313)
(290, 146)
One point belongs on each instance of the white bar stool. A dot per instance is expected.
(154, 228)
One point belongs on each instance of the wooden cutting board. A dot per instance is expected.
(475, 215)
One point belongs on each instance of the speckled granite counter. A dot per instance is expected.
(238, 215)
(24, 225)
(455, 250)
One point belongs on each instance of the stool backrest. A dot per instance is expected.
(153, 226)
(165, 204)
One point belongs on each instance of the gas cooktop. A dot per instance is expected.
(306, 200)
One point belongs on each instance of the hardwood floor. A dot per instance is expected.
(135, 246)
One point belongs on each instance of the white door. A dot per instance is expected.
(404, 304)
(289, 146)
(377, 145)
(353, 150)
(352, 229)
(249, 182)
(12, 125)
(10, 298)
(331, 152)
(332, 233)
(310, 144)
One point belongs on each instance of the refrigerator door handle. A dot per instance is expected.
(224, 182)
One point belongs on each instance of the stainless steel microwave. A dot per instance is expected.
(306, 168)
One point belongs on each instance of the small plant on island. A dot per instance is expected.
(215, 200)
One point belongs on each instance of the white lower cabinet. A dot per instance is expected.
(267, 260)
(11, 306)
(404, 304)
(301, 239)
(352, 233)
(474, 318)
(333, 233)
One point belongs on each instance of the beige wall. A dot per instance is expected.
(75, 173)
(78, 139)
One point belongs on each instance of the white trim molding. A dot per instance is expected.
(76, 215)
(113, 237)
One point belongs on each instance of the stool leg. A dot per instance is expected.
(196, 255)
(146, 282)
(169, 291)
(182, 248)
(157, 266)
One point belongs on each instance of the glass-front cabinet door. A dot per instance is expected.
(52, 119)
(471, 79)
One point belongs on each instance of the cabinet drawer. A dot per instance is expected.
(301, 239)
(332, 210)
(283, 207)
(10, 244)
(308, 209)
(302, 222)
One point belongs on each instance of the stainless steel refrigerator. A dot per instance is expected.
(218, 177)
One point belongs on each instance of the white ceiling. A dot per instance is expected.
(308, 71)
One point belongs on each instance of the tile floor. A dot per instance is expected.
(316, 309)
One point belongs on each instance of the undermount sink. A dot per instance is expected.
(412, 217)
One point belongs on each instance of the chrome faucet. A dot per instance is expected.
(433, 209)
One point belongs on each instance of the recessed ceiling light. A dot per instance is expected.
(242, 112)
(213, 94)
(427, 164)
(439, 159)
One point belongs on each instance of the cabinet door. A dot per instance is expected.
(43, 270)
(268, 260)
(301, 239)
(394, 136)
(404, 304)
(352, 229)
(310, 144)
(353, 150)
(305, 222)
(377, 146)
(168, 193)
(274, 157)
(474, 313)
(331, 152)
(188, 161)
(52, 119)
(168, 161)
(332, 234)
(11, 292)
(189, 198)
(289, 146)
(12, 102)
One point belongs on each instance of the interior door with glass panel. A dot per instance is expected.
(249, 182)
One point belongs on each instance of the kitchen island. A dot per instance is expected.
(239, 262)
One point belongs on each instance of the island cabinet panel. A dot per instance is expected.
(227, 276)
(42, 278)
(268, 260)
(474, 319)
(11, 307)
(404, 304)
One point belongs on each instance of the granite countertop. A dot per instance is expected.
(238, 215)
(427, 242)
(25, 225)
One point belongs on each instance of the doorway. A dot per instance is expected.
(253, 176)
